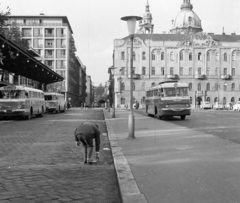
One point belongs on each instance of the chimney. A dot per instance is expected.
(223, 31)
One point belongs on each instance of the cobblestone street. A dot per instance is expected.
(39, 161)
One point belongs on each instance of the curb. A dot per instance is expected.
(129, 190)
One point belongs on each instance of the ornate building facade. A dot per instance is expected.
(208, 63)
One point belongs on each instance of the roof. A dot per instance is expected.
(21, 62)
(183, 37)
(64, 18)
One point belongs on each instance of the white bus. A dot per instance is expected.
(168, 99)
(21, 101)
(55, 102)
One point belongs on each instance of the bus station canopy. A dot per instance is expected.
(20, 62)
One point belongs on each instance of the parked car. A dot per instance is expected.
(228, 106)
(205, 105)
(236, 107)
(218, 105)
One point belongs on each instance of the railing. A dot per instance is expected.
(27, 35)
(61, 35)
(37, 35)
(38, 46)
(49, 35)
(49, 56)
(200, 77)
(172, 76)
(226, 77)
(49, 46)
(42, 24)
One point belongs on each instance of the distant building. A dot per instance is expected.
(89, 91)
(208, 63)
(51, 37)
(99, 93)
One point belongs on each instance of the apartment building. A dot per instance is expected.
(51, 37)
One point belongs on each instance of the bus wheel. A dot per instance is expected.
(41, 113)
(160, 117)
(27, 117)
(183, 117)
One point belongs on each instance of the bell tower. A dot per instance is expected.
(145, 25)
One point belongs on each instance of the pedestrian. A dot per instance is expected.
(85, 133)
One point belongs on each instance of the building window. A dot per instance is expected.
(122, 100)
(208, 87)
(225, 71)
(181, 71)
(190, 71)
(216, 71)
(225, 57)
(199, 56)
(216, 86)
(190, 56)
(133, 70)
(143, 70)
(234, 56)
(233, 71)
(162, 71)
(122, 86)
(232, 99)
(233, 87)
(153, 56)
(199, 87)
(208, 56)
(171, 56)
(171, 71)
(199, 71)
(143, 100)
(162, 56)
(122, 70)
(122, 55)
(134, 56)
(225, 87)
(181, 56)
(190, 86)
(24, 21)
(143, 86)
(143, 56)
(217, 56)
(209, 99)
(153, 70)
(153, 84)
(208, 71)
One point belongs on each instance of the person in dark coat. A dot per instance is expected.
(85, 133)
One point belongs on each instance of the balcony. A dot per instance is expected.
(200, 77)
(172, 76)
(135, 76)
(226, 77)
(49, 35)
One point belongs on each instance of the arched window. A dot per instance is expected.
(143, 86)
(199, 87)
(224, 100)
(122, 86)
(122, 100)
(215, 99)
(134, 56)
(172, 56)
(234, 56)
(216, 86)
(181, 56)
(232, 99)
(189, 20)
(190, 56)
(208, 56)
(209, 99)
(153, 84)
(162, 56)
(217, 56)
(122, 55)
(144, 56)
(153, 56)
(233, 87)
(208, 87)
(133, 86)
(225, 87)
(190, 86)
(225, 57)
(199, 56)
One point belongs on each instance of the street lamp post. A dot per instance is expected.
(131, 22)
(113, 88)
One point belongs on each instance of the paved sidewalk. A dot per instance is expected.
(168, 163)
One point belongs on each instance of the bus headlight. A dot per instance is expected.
(166, 106)
(187, 105)
(47, 105)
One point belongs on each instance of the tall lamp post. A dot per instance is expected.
(113, 88)
(131, 22)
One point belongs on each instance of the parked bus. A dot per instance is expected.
(21, 101)
(168, 99)
(55, 102)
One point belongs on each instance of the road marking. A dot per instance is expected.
(75, 120)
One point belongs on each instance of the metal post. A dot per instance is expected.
(113, 113)
(131, 116)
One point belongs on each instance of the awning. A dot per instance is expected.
(20, 62)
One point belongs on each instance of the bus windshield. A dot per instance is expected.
(12, 94)
(50, 97)
(171, 92)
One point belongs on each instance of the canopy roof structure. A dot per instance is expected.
(20, 62)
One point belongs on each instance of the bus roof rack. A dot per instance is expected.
(169, 81)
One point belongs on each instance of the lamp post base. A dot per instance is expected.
(131, 126)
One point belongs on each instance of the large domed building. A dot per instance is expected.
(209, 63)
(186, 22)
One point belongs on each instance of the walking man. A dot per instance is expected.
(85, 133)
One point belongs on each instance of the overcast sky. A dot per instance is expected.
(96, 23)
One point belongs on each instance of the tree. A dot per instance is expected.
(4, 19)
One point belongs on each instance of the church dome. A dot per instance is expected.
(186, 22)
(147, 14)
